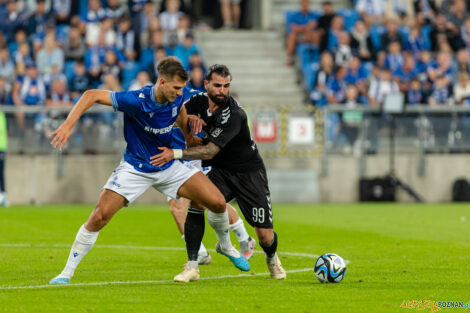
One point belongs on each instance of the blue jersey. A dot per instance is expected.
(147, 125)
(179, 141)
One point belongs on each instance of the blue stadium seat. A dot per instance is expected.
(426, 34)
(69, 69)
(404, 31)
(350, 16)
(376, 32)
(309, 71)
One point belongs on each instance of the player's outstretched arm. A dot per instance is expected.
(206, 152)
(89, 97)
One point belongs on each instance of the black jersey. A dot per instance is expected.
(227, 127)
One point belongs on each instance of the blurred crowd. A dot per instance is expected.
(52, 51)
(420, 48)
(360, 55)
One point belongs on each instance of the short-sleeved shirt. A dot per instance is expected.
(227, 127)
(147, 125)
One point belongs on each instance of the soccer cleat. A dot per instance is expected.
(59, 280)
(235, 257)
(204, 259)
(189, 274)
(275, 269)
(247, 248)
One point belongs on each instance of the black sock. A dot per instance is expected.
(271, 249)
(193, 232)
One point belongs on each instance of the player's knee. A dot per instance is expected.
(218, 205)
(99, 218)
(265, 236)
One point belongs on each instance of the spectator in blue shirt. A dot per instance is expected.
(11, 19)
(440, 95)
(301, 28)
(336, 86)
(415, 94)
(357, 75)
(79, 82)
(39, 19)
(184, 50)
(414, 42)
(28, 90)
(196, 79)
(406, 73)
(394, 58)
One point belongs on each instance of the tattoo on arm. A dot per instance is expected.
(206, 152)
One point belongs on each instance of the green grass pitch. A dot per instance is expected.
(397, 252)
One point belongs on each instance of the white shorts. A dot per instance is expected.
(130, 183)
(196, 164)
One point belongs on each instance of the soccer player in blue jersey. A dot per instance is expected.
(149, 115)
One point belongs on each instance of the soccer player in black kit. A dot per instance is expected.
(237, 168)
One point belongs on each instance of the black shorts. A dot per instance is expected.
(251, 191)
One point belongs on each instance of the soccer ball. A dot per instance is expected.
(330, 268)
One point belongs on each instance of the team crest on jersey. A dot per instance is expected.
(216, 132)
(174, 112)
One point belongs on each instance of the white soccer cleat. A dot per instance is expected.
(247, 247)
(204, 259)
(189, 274)
(275, 269)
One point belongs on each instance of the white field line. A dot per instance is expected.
(29, 245)
(41, 245)
(145, 282)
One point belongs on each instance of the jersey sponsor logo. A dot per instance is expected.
(174, 112)
(225, 115)
(141, 95)
(216, 132)
(157, 131)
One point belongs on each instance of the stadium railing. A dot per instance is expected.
(285, 131)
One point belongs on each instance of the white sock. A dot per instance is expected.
(238, 229)
(219, 222)
(202, 249)
(84, 241)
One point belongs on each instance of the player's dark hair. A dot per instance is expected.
(171, 67)
(218, 69)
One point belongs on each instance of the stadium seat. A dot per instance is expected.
(350, 16)
(309, 72)
(69, 69)
(425, 33)
(404, 31)
(376, 32)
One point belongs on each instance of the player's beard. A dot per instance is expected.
(219, 100)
